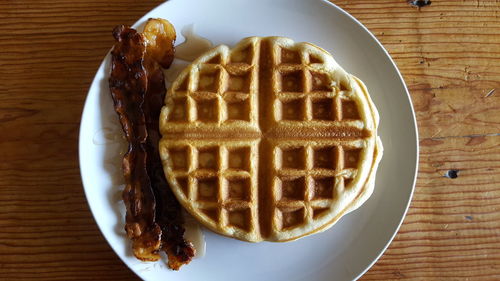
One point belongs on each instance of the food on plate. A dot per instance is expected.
(154, 217)
(160, 36)
(270, 140)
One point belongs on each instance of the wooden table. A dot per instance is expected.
(448, 53)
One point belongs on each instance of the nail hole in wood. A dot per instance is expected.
(452, 174)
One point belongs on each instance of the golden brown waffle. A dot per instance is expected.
(271, 140)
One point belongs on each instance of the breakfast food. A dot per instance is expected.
(154, 217)
(271, 140)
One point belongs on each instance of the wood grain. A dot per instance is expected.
(50, 51)
(452, 229)
(449, 56)
(448, 53)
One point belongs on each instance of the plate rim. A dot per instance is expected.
(415, 165)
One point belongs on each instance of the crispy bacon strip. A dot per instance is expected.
(168, 209)
(154, 219)
(160, 36)
(128, 84)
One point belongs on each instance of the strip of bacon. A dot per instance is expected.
(160, 36)
(128, 84)
(168, 209)
(154, 219)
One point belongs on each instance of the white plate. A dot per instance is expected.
(350, 247)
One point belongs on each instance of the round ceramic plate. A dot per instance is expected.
(343, 252)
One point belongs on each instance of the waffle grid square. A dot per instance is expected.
(317, 184)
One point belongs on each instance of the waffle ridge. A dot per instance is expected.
(271, 140)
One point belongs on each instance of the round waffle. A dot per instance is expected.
(271, 140)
